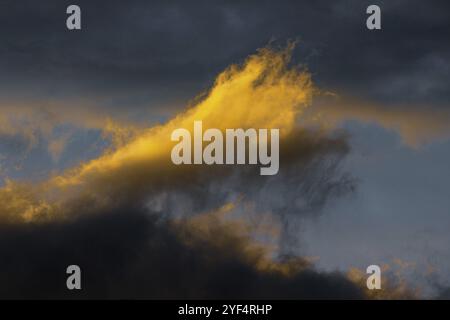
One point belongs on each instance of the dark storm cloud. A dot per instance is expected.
(130, 254)
(139, 52)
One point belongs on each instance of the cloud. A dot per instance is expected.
(101, 72)
(127, 253)
(416, 125)
(165, 62)
(140, 226)
(264, 79)
(46, 68)
(31, 128)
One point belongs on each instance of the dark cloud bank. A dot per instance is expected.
(141, 53)
(127, 254)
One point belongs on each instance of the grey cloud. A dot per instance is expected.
(140, 52)
(129, 254)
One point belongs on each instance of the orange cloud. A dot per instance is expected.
(263, 92)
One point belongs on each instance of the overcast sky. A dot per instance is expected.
(141, 62)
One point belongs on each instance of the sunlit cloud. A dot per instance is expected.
(415, 125)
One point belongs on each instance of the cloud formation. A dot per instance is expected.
(103, 79)
(140, 226)
(126, 253)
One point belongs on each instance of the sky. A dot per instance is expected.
(85, 122)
